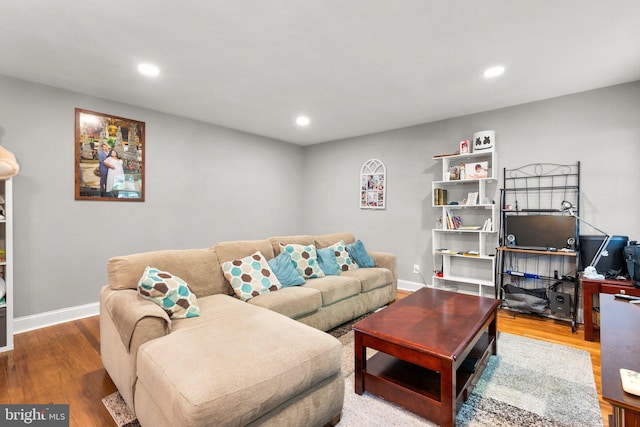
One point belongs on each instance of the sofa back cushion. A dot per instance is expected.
(303, 240)
(198, 267)
(324, 240)
(238, 249)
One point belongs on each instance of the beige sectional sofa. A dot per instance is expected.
(265, 361)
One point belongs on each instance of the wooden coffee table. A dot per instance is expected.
(422, 342)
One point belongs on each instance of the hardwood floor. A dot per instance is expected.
(61, 364)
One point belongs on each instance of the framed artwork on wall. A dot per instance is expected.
(373, 175)
(109, 157)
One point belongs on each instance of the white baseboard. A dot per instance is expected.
(406, 285)
(50, 318)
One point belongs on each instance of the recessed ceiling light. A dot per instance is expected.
(493, 71)
(302, 120)
(148, 69)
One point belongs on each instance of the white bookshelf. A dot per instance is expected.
(464, 248)
(6, 264)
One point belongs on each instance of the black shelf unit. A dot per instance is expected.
(541, 280)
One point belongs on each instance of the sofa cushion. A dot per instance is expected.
(328, 262)
(250, 276)
(334, 288)
(305, 259)
(302, 239)
(324, 240)
(371, 278)
(228, 251)
(284, 270)
(345, 263)
(359, 254)
(169, 292)
(249, 361)
(293, 302)
(198, 267)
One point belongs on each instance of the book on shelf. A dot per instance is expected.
(488, 225)
(471, 253)
(453, 222)
(439, 196)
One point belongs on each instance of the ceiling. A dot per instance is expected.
(353, 66)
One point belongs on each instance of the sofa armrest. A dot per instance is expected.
(137, 320)
(386, 260)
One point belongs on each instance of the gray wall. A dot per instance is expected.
(203, 184)
(206, 183)
(599, 128)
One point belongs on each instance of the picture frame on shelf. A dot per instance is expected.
(104, 140)
(477, 170)
(465, 147)
(454, 173)
(472, 198)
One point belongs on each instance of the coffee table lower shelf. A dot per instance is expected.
(417, 388)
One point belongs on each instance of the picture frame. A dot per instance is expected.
(373, 180)
(472, 198)
(465, 147)
(477, 170)
(109, 157)
(454, 173)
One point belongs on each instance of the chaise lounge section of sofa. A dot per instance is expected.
(266, 356)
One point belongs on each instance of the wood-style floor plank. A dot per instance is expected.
(61, 364)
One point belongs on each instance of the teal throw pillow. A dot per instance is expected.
(328, 262)
(285, 271)
(359, 254)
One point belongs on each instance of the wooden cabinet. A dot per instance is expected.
(6, 265)
(619, 348)
(594, 287)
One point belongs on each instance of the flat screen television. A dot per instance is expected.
(540, 231)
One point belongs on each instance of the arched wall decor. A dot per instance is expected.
(373, 180)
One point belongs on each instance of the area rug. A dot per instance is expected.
(529, 383)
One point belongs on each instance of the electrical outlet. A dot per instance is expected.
(416, 269)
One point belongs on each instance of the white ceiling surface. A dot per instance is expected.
(353, 66)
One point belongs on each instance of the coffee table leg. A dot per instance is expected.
(448, 394)
(493, 332)
(361, 362)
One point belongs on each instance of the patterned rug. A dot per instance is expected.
(529, 383)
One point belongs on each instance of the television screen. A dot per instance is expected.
(541, 231)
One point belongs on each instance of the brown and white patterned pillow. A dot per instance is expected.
(250, 276)
(304, 259)
(170, 292)
(345, 262)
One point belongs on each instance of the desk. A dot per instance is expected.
(620, 345)
(593, 286)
